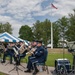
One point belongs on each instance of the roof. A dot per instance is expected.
(6, 37)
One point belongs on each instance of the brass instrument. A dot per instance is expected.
(31, 51)
(2, 47)
(16, 51)
(9, 47)
(22, 48)
(12, 46)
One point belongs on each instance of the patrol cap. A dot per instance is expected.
(39, 41)
(21, 42)
(34, 41)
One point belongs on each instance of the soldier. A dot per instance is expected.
(8, 52)
(37, 58)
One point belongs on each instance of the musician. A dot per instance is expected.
(1, 48)
(32, 48)
(21, 52)
(8, 51)
(38, 57)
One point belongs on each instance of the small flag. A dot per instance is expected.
(54, 6)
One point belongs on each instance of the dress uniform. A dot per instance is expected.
(8, 52)
(37, 58)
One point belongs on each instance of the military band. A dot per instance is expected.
(34, 50)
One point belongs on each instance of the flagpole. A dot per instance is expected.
(52, 26)
(51, 31)
(51, 35)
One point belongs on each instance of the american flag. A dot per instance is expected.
(54, 6)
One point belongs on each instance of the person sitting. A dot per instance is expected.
(2, 48)
(32, 48)
(38, 57)
(8, 52)
(21, 52)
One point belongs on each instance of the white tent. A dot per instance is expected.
(6, 37)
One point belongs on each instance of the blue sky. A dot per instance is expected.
(22, 12)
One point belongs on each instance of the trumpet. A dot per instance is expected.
(31, 51)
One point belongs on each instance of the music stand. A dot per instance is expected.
(71, 49)
(16, 65)
(17, 68)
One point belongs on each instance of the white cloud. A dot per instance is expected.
(21, 12)
(15, 11)
(64, 8)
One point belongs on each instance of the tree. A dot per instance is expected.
(63, 24)
(71, 28)
(55, 34)
(1, 31)
(26, 33)
(36, 30)
(5, 28)
(41, 31)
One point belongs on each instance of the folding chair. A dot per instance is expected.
(43, 64)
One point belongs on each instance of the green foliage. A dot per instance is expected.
(67, 27)
(71, 29)
(41, 31)
(63, 26)
(55, 34)
(25, 33)
(5, 28)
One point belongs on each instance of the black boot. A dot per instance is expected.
(35, 72)
(2, 61)
(28, 71)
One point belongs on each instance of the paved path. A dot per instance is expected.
(8, 67)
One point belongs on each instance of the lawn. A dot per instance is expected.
(52, 56)
(2, 73)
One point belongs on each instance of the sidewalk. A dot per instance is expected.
(8, 67)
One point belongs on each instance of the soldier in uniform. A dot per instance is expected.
(37, 58)
(8, 52)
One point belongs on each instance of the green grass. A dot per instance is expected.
(2, 73)
(51, 58)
